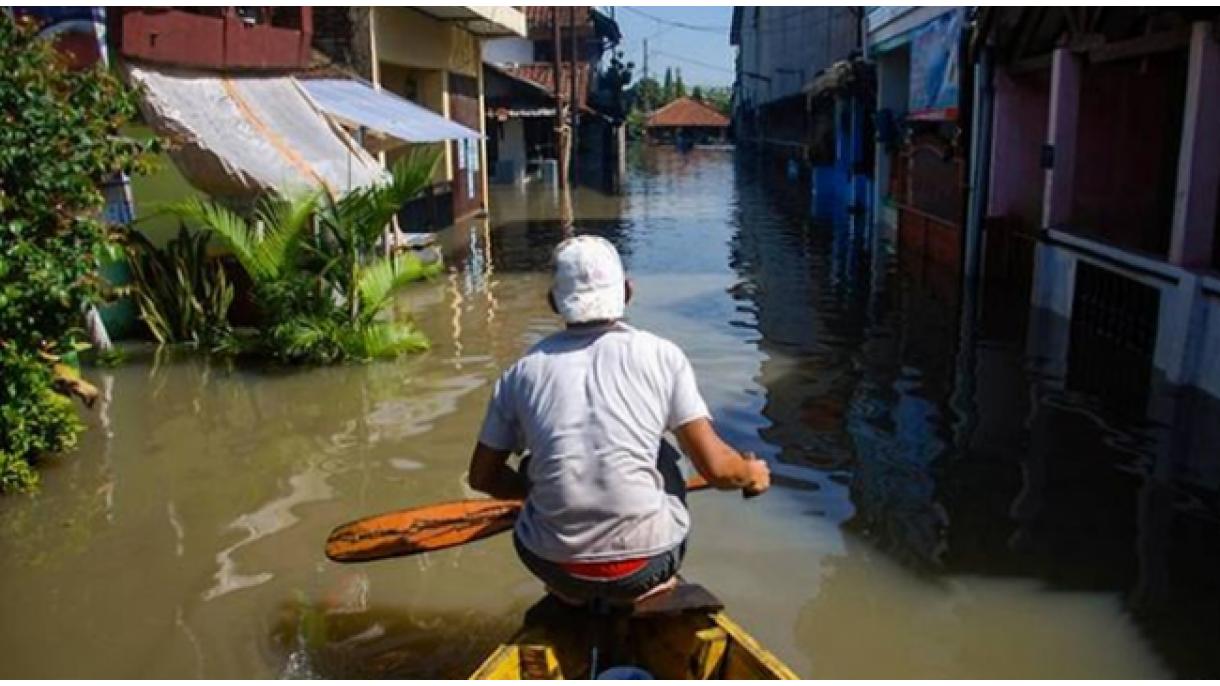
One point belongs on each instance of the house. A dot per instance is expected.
(431, 57)
(215, 37)
(1100, 182)
(804, 98)
(523, 105)
(920, 156)
(250, 106)
(687, 121)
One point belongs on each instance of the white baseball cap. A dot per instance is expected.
(589, 281)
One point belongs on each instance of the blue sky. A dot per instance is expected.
(701, 49)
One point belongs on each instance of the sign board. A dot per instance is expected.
(935, 66)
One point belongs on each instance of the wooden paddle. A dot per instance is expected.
(431, 527)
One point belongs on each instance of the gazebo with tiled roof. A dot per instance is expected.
(687, 121)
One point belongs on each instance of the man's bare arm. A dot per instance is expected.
(721, 465)
(490, 473)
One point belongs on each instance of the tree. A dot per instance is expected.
(679, 86)
(718, 97)
(60, 139)
(697, 93)
(614, 83)
(647, 94)
(667, 90)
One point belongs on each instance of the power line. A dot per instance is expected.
(681, 58)
(678, 24)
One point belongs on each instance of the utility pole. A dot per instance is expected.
(647, 105)
(556, 73)
(574, 108)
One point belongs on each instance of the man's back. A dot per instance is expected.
(591, 405)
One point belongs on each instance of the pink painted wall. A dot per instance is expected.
(1127, 149)
(1020, 122)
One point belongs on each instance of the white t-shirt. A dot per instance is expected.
(591, 405)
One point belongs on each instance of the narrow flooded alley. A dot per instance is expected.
(955, 498)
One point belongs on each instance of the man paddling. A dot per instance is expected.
(604, 515)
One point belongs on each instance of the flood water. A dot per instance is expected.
(954, 497)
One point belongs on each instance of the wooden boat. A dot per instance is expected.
(684, 634)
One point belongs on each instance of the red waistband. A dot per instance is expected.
(603, 571)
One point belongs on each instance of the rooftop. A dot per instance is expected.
(687, 112)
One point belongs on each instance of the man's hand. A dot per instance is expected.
(759, 474)
(722, 466)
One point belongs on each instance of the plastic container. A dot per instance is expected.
(624, 673)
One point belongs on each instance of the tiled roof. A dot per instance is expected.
(539, 17)
(687, 112)
(542, 74)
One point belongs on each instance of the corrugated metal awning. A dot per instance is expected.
(240, 136)
(359, 104)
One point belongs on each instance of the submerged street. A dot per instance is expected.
(949, 501)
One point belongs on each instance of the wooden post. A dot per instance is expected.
(556, 73)
(574, 107)
(1194, 207)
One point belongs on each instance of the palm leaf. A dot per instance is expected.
(385, 339)
(283, 222)
(378, 279)
(368, 210)
(232, 228)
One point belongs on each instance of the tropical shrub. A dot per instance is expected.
(320, 281)
(183, 296)
(59, 141)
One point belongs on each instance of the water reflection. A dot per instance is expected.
(973, 450)
(954, 499)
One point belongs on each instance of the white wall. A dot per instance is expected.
(508, 51)
(1188, 326)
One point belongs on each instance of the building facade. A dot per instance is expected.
(431, 56)
(1102, 179)
(803, 97)
(523, 102)
(920, 157)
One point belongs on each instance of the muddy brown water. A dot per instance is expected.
(950, 502)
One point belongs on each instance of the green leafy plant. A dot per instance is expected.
(59, 141)
(319, 278)
(183, 296)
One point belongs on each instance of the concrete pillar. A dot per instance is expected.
(1061, 136)
(893, 93)
(1194, 209)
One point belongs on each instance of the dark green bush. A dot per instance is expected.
(59, 141)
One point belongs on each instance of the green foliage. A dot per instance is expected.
(679, 86)
(647, 95)
(719, 97)
(35, 420)
(59, 141)
(319, 279)
(635, 124)
(183, 297)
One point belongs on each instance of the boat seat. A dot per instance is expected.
(685, 597)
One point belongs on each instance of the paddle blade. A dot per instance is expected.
(420, 529)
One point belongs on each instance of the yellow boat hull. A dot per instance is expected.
(683, 644)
